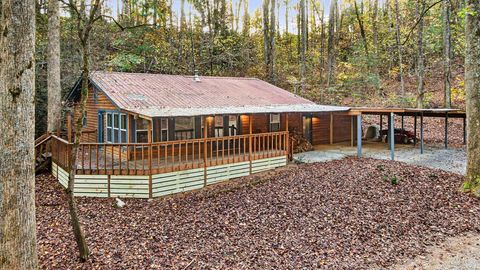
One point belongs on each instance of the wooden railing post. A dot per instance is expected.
(287, 138)
(150, 157)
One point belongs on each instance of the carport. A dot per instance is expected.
(418, 114)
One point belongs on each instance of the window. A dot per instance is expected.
(164, 129)
(274, 122)
(84, 120)
(218, 126)
(141, 130)
(184, 128)
(116, 127)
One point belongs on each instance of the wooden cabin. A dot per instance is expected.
(149, 135)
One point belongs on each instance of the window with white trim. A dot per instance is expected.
(116, 128)
(274, 122)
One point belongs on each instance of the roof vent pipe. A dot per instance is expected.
(196, 77)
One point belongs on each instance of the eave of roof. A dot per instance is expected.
(301, 108)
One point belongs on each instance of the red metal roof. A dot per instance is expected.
(174, 95)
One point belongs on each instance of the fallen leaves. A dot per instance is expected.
(336, 215)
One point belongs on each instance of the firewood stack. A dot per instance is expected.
(300, 144)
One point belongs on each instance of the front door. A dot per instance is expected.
(307, 128)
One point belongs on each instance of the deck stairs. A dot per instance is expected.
(43, 155)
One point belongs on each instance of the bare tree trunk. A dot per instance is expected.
(472, 88)
(447, 53)
(17, 107)
(269, 38)
(72, 205)
(246, 19)
(331, 45)
(420, 56)
(322, 46)
(84, 27)
(53, 64)
(155, 12)
(375, 26)
(303, 44)
(399, 47)
(286, 17)
(272, 41)
(362, 29)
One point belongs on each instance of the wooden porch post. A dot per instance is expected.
(415, 130)
(351, 131)
(421, 133)
(205, 132)
(287, 137)
(331, 128)
(69, 127)
(250, 128)
(446, 130)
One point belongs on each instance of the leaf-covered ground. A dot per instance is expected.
(344, 214)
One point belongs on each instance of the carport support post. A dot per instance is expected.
(403, 123)
(446, 130)
(389, 124)
(391, 136)
(381, 121)
(465, 130)
(359, 135)
(415, 130)
(421, 133)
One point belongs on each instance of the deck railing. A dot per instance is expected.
(161, 157)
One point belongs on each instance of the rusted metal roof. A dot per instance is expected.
(155, 95)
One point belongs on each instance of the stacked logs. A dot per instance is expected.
(299, 143)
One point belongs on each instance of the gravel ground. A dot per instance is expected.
(451, 159)
(456, 253)
(343, 214)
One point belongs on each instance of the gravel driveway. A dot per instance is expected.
(451, 159)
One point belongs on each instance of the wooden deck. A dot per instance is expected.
(157, 169)
(144, 159)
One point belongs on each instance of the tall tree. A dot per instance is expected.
(331, 44)
(447, 53)
(53, 64)
(399, 46)
(303, 43)
(246, 19)
(362, 28)
(420, 56)
(269, 38)
(17, 112)
(472, 88)
(375, 26)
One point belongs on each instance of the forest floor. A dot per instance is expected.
(342, 214)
